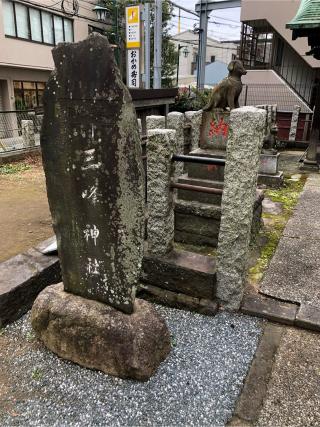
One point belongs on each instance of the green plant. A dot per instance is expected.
(30, 336)
(37, 374)
(191, 99)
(12, 168)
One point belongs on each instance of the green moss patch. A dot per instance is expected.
(274, 225)
(12, 168)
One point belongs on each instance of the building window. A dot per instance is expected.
(33, 24)
(233, 57)
(28, 95)
(213, 58)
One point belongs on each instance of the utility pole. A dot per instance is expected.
(157, 65)
(147, 45)
(202, 50)
(204, 8)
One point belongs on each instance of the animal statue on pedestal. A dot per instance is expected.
(226, 93)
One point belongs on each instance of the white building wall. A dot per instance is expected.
(222, 52)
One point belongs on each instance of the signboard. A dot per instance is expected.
(133, 27)
(133, 68)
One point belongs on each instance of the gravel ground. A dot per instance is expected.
(197, 385)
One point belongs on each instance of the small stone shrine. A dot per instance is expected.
(198, 215)
(269, 173)
(91, 152)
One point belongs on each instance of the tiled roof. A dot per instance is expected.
(308, 15)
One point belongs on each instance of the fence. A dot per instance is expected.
(19, 130)
(269, 94)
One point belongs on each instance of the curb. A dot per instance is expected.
(22, 278)
(256, 383)
(302, 315)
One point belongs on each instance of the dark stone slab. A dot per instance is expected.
(210, 172)
(199, 223)
(181, 272)
(308, 317)
(256, 383)
(195, 238)
(214, 199)
(269, 308)
(273, 181)
(177, 300)
(22, 278)
(92, 159)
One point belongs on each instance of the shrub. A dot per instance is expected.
(191, 99)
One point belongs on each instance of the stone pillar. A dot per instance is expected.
(27, 128)
(140, 126)
(294, 123)
(155, 122)
(176, 120)
(160, 196)
(240, 179)
(195, 120)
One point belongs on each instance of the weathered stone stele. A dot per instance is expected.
(92, 160)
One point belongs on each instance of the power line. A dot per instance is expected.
(209, 21)
(212, 32)
(195, 41)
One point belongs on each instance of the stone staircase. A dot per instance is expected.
(197, 215)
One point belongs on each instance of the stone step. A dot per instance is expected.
(213, 199)
(199, 223)
(181, 272)
(209, 172)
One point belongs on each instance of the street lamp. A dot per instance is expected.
(101, 12)
(185, 54)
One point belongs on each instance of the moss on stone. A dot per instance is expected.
(274, 225)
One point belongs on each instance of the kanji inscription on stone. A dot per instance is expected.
(92, 159)
(214, 129)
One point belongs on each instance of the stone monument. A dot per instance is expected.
(91, 152)
(269, 173)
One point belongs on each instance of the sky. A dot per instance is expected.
(228, 19)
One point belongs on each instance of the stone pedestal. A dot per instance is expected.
(98, 336)
(269, 173)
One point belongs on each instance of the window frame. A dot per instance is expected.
(52, 15)
(36, 90)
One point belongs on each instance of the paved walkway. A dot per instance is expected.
(283, 385)
(294, 272)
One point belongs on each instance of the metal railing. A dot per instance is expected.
(19, 129)
(200, 160)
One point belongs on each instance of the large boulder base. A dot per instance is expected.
(97, 336)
